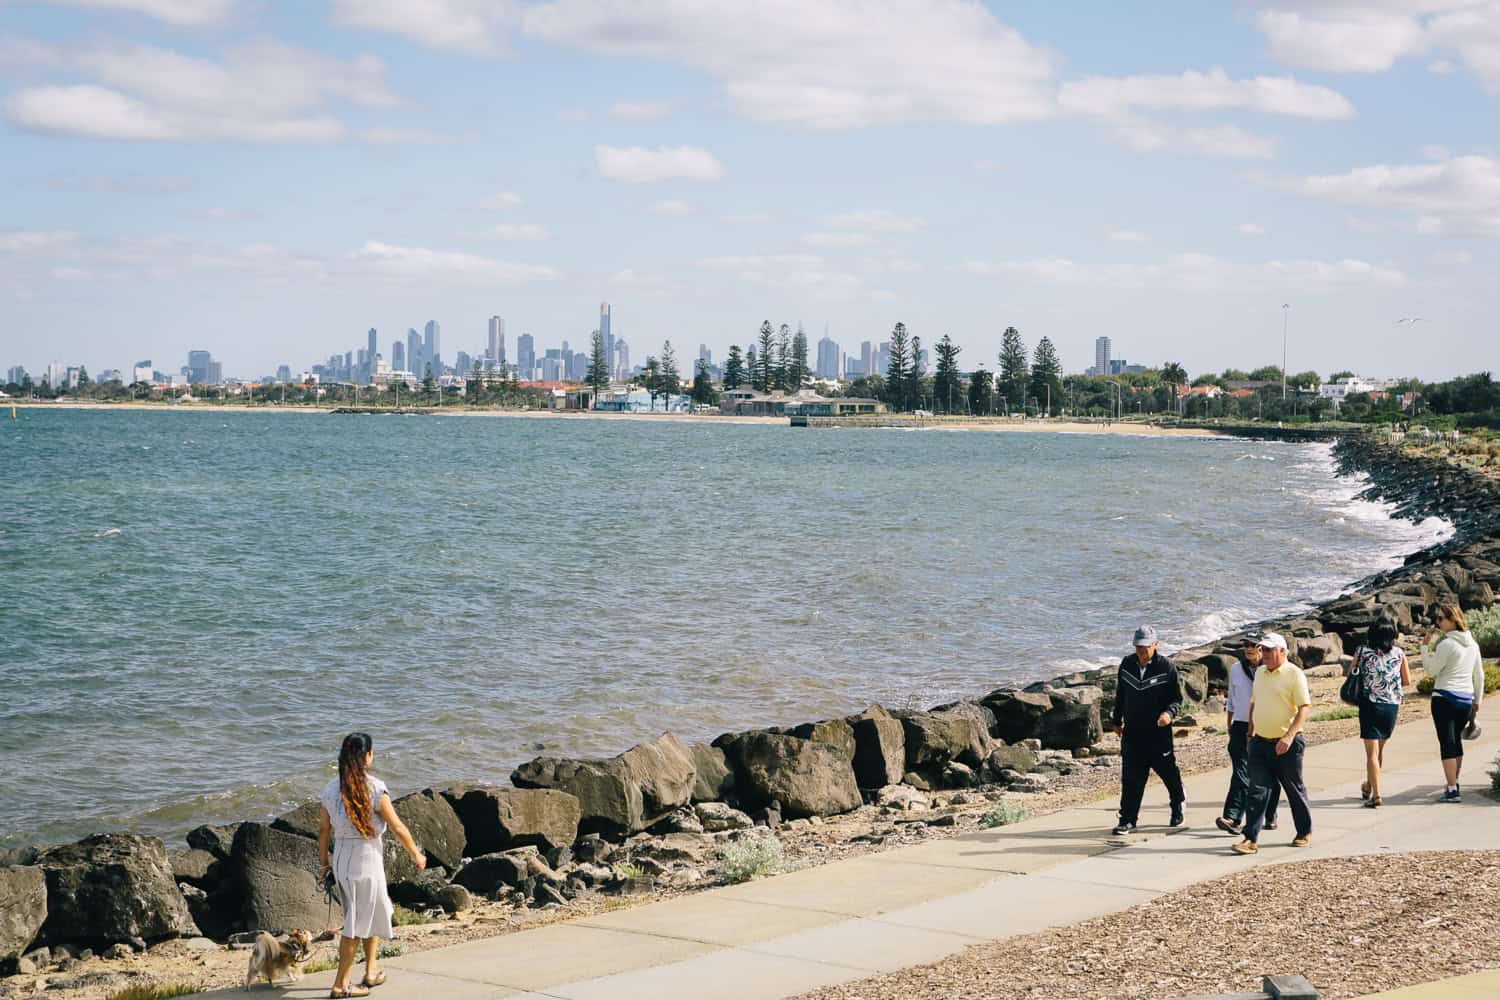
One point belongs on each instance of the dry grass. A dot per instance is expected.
(1350, 925)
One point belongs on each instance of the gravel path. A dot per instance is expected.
(1352, 926)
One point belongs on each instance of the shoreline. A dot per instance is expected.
(1036, 425)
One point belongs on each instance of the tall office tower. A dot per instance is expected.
(882, 358)
(142, 371)
(398, 356)
(198, 362)
(361, 359)
(1101, 356)
(371, 349)
(432, 348)
(526, 357)
(828, 358)
(604, 331)
(622, 360)
(705, 355)
(283, 373)
(57, 374)
(348, 375)
(414, 352)
(17, 374)
(867, 359)
(581, 366)
(496, 350)
(461, 366)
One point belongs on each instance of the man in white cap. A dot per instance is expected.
(1279, 703)
(1148, 696)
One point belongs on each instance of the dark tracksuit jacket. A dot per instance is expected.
(1140, 698)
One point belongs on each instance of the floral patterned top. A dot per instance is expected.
(1381, 673)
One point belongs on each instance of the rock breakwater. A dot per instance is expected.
(564, 826)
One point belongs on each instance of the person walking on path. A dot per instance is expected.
(356, 812)
(1383, 674)
(1148, 697)
(1451, 658)
(1237, 710)
(1279, 703)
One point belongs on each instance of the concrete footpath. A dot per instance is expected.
(839, 922)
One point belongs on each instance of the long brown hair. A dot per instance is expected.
(1454, 614)
(354, 783)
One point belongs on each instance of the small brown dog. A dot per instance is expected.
(272, 958)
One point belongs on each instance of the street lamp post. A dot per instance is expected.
(1285, 310)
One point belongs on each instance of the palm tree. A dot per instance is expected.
(1174, 375)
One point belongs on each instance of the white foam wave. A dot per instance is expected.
(107, 532)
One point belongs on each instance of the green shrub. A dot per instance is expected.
(391, 949)
(751, 857)
(1495, 774)
(1485, 626)
(321, 965)
(161, 992)
(402, 917)
(629, 870)
(1004, 814)
(1491, 680)
(1342, 712)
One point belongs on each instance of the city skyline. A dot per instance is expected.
(255, 178)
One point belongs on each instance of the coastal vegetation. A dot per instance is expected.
(1004, 814)
(750, 858)
(162, 992)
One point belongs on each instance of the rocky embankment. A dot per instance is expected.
(565, 827)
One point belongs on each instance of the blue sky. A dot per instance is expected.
(269, 178)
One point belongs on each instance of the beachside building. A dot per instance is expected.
(836, 406)
(1337, 392)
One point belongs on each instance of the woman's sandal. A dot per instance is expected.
(1364, 790)
(348, 991)
(1373, 802)
(369, 983)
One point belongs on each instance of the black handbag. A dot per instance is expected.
(1352, 691)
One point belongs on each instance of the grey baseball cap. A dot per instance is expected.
(1145, 636)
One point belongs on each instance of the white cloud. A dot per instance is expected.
(642, 283)
(1435, 152)
(1251, 229)
(671, 206)
(400, 136)
(838, 239)
(1199, 272)
(1456, 197)
(990, 166)
(467, 25)
(421, 263)
(500, 200)
(1124, 235)
(1224, 142)
(737, 263)
(639, 165)
(263, 92)
(186, 12)
(878, 220)
(640, 111)
(746, 218)
(1441, 67)
(1057, 270)
(837, 64)
(520, 231)
(1110, 97)
(28, 241)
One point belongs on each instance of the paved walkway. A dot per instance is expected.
(1479, 986)
(847, 920)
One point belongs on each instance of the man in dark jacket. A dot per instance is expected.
(1148, 697)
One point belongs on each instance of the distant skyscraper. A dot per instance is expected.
(496, 351)
(705, 355)
(283, 373)
(414, 352)
(371, 350)
(398, 356)
(17, 375)
(621, 360)
(432, 347)
(57, 374)
(604, 330)
(203, 369)
(142, 372)
(828, 358)
(461, 366)
(1101, 356)
(867, 358)
(882, 358)
(526, 357)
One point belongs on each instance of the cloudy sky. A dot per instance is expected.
(269, 178)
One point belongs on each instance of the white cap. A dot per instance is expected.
(1272, 640)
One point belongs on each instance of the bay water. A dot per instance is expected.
(196, 606)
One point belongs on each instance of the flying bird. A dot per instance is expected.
(1410, 319)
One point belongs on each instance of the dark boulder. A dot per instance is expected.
(834, 732)
(303, 820)
(624, 794)
(1018, 714)
(216, 840)
(499, 819)
(714, 781)
(430, 891)
(879, 748)
(489, 872)
(957, 732)
(1073, 720)
(19, 857)
(1319, 650)
(434, 826)
(112, 887)
(276, 875)
(807, 778)
(23, 909)
(1218, 666)
(195, 866)
(1476, 597)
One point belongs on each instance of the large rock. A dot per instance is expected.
(624, 794)
(879, 748)
(488, 872)
(1073, 721)
(276, 874)
(807, 778)
(935, 738)
(499, 819)
(1194, 678)
(303, 820)
(1018, 714)
(715, 778)
(23, 909)
(110, 888)
(1318, 650)
(834, 732)
(195, 866)
(430, 891)
(1219, 665)
(216, 840)
(1013, 757)
(434, 826)
(1476, 596)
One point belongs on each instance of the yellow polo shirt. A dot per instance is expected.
(1276, 696)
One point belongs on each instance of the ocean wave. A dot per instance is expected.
(107, 532)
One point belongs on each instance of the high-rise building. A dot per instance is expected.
(17, 375)
(57, 374)
(202, 369)
(1101, 356)
(432, 347)
(580, 367)
(283, 373)
(526, 357)
(398, 356)
(462, 365)
(828, 358)
(414, 362)
(867, 358)
(605, 332)
(705, 355)
(142, 371)
(496, 351)
(882, 359)
(621, 370)
(372, 350)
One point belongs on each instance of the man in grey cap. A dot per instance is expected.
(1148, 697)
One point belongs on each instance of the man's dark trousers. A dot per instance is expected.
(1268, 769)
(1237, 802)
(1143, 750)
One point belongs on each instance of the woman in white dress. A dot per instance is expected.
(356, 812)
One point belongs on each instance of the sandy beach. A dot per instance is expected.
(1054, 426)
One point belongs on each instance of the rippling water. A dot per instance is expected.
(197, 605)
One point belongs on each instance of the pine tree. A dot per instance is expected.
(898, 369)
(83, 377)
(668, 379)
(981, 393)
(765, 359)
(947, 393)
(799, 369)
(1174, 375)
(1046, 375)
(734, 368)
(429, 384)
(598, 373)
(916, 375)
(1013, 373)
(703, 386)
(783, 370)
(651, 378)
